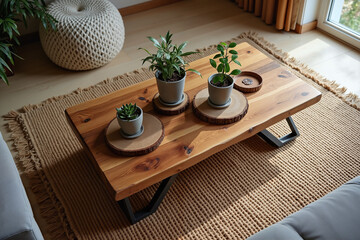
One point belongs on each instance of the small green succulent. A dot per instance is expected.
(128, 111)
(224, 64)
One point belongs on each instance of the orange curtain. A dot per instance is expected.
(283, 13)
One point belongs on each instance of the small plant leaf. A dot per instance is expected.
(156, 43)
(234, 57)
(227, 67)
(213, 63)
(146, 59)
(177, 68)
(220, 68)
(237, 62)
(144, 50)
(217, 56)
(3, 76)
(168, 37)
(194, 71)
(233, 51)
(217, 78)
(181, 47)
(232, 45)
(163, 40)
(224, 44)
(220, 48)
(223, 60)
(188, 53)
(235, 72)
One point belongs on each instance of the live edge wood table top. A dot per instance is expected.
(188, 140)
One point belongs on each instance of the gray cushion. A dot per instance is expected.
(335, 216)
(16, 217)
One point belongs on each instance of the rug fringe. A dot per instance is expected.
(31, 165)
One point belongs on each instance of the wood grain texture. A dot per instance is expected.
(149, 140)
(166, 110)
(188, 140)
(233, 113)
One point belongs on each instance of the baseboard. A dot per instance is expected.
(144, 6)
(305, 27)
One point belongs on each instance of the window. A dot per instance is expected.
(341, 18)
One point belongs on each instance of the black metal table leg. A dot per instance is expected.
(279, 142)
(152, 206)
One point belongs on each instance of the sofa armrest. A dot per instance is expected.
(277, 232)
(16, 216)
(334, 216)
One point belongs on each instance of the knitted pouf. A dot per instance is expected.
(89, 34)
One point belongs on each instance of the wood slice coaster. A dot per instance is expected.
(233, 113)
(150, 139)
(170, 110)
(248, 82)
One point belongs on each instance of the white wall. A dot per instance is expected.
(310, 11)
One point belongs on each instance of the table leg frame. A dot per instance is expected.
(279, 142)
(159, 195)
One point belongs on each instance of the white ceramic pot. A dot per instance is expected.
(131, 127)
(170, 92)
(219, 95)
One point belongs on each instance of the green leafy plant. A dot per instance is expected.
(128, 111)
(11, 13)
(168, 59)
(223, 68)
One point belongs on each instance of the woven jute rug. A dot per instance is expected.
(231, 195)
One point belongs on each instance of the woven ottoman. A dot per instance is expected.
(90, 33)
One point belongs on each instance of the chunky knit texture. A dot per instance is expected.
(90, 33)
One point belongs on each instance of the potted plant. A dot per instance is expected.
(221, 83)
(130, 118)
(11, 13)
(169, 67)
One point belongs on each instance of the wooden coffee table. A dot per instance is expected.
(188, 140)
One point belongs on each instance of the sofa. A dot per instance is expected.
(16, 217)
(335, 216)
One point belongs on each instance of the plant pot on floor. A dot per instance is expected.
(171, 92)
(132, 127)
(220, 95)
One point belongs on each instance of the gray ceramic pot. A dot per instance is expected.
(219, 95)
(170, 92)
(131, 127)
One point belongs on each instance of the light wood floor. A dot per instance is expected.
(202, 23)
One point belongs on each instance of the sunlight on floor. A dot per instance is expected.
(312, 48)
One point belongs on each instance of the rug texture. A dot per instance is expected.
(231, 195)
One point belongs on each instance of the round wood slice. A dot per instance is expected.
(150, 139)
(233, 113)
(170, 110)
(248, 82)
